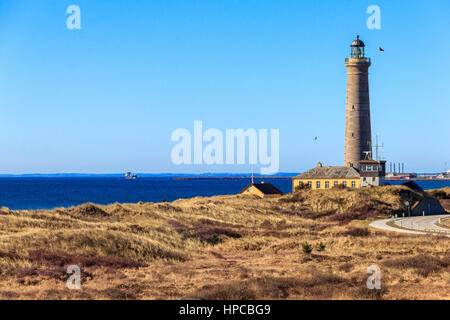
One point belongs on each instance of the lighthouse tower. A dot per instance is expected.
(358, 136)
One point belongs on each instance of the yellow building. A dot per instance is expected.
(327, 177)
(262, 190)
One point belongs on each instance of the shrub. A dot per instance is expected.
(344, 218)
(319, 285)
(212, 235)
(313, 215)
(125, 291)
(424, 264)
(339, 186)
(27, 272)
(356, 232)
(89, 209)
(440, 194)
(9, 255)
(296, 197)
(320, 247)
(301, 186)
(289, 212)
(62, 259)
(346, 267)
(307, 248)
(357, 212)
(209, 234)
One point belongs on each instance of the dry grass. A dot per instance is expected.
(356, 232)
(445, 204)
(226, 247)
(443, 193)
(444, 197)
(445, 223)
(423, 264)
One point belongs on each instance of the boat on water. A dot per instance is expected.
(130, 175)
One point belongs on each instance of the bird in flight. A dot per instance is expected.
(381, 49)
(315, 138)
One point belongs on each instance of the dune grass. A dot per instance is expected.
(225, 247)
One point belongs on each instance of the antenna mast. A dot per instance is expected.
(377, 148)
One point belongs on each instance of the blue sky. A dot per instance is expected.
(106, 98)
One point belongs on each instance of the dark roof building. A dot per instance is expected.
(371, 174)
(331, 173)
(262, 190)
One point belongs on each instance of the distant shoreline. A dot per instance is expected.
(284, 175)
(417, 179)
(229, 178)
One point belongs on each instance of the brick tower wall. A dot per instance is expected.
(358, 136)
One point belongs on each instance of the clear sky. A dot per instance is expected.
(106, 98)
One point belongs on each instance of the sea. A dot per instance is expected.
(19, 193)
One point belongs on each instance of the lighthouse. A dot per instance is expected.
(358, 136)
(360, 169)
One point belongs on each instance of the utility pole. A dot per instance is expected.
(252, 177)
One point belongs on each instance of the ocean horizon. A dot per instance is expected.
(143, 175)
(29, 193)
(161, 175)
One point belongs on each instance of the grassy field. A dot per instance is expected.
(446, 223)
(307, 245)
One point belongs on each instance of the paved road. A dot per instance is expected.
(414, 225)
